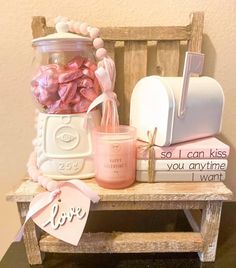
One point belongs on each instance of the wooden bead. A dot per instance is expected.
(45, 181)
(94, 33)
(34, 175)
(40, 179)
(101, 53)
(30, 170)
(98, 43)
(71, 25)
(52, 185)
(84, 28)
(62, 27)
(76, 27)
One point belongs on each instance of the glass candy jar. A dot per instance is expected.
(63, 86)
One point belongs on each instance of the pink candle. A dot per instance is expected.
(115, 156)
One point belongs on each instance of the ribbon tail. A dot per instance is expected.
(100, 99)
(19, 235)
(85, 190)
(104, 79)
(110, 67)
(110, 116)
(35, 209)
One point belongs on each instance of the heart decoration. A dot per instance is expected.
(65, 217)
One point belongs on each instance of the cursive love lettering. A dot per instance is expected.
(57, 222)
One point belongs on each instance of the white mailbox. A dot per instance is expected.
(181, 108)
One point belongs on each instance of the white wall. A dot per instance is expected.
(17, 109)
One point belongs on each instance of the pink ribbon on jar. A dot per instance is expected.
(106, 74)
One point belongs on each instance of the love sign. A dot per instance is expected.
(55, 224)
(65, 217)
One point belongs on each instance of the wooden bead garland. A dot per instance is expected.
(36, 175)
(63, 24)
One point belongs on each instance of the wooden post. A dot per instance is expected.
(209, 230)
(40, 28)
(31, 236)
(135, 62)
(168, 58)
(195, 42)
(110, 47)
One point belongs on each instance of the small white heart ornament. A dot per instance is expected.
(65, 217)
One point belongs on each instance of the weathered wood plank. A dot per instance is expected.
(168, 58)
(110, 47)
(135, 68)
(26, 191)
(195, 42)
(31, 236)
(198, 191)
(126, 243)
(147, 205)
(146, 33)
(210, 229)
(40, 28)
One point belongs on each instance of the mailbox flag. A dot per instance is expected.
(193, 65)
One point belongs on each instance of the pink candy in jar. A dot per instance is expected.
(64, 82)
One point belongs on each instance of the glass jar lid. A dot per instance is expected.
(61, 40)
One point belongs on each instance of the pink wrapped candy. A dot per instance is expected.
(88, 93)
(66, 89)
(76, 63)
(59, 107)
(90, 65)
(69, 75)
(96, 86)
(85, 82)
(76, 99)
(46, 97)
(89, 73)
(82, 106)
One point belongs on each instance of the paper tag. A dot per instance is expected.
(66, 216)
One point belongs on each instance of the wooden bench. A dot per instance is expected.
(138, 52)
(207, 197)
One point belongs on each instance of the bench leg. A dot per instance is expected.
(209, 230)
(31, 236)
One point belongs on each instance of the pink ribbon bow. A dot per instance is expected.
(106, 74)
